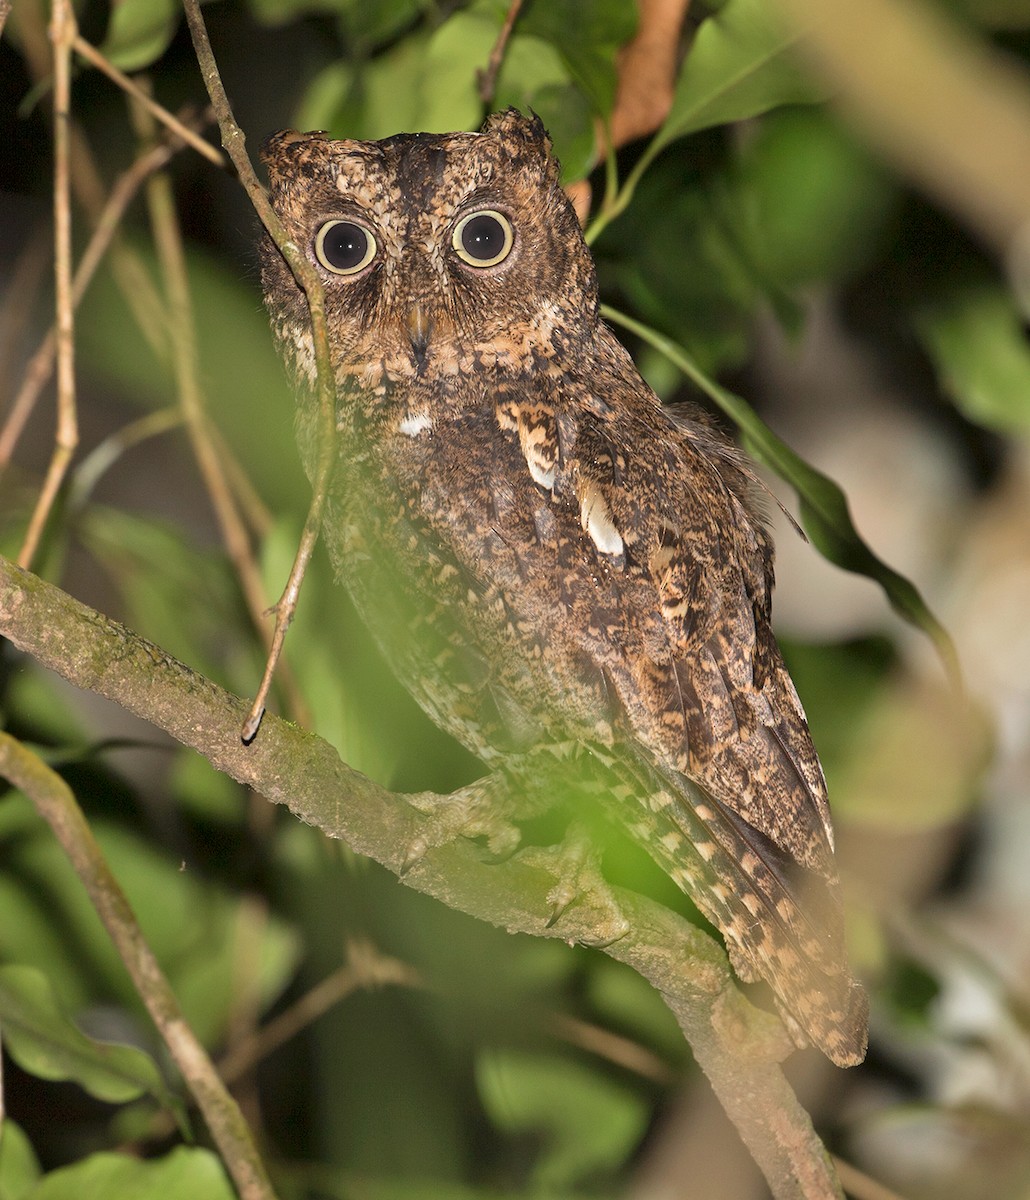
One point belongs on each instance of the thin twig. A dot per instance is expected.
(366, 968)
(614, 1049)
(127, 266)
(189, 136)
(57, 805)
(40, 366)
(182, 331)
(859, 1185)
(234, 142)
(254, 509)
(62, 33)
(486, 81)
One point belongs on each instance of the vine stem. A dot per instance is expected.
(234, 143)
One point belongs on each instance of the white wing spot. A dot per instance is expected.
(596, 519)
(541, 476)
(415, 423)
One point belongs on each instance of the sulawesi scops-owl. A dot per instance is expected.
(556, 566)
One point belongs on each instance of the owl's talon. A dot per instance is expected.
(497, 857)
(611, 938)
(579, 879)
(413, 855)
(557, 911)
(477, 811)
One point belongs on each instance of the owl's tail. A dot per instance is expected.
(782, 923)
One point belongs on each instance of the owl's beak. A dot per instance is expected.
(420, 326)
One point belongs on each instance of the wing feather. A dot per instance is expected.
(709, 704)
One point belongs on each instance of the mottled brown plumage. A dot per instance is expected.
(549, 558)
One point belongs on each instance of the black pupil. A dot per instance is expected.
(482, 237)
(345, 245)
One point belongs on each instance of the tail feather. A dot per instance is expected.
(782, 923)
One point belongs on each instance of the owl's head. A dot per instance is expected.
(435, 251)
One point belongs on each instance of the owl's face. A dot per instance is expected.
(436, 252)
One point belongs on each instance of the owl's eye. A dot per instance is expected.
(343, 247)
(483, 239)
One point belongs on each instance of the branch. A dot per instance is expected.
(57, 806)
(486, 80)
(190, 136)
(738, 1046)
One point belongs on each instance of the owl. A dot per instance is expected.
(568, 577)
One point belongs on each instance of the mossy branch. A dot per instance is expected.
(738, 1046)
(57, 805)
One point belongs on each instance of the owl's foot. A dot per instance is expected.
(575, 863)
(483, 810)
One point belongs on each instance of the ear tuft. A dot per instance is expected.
(523, 138)
(285, 151)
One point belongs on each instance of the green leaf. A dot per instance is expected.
(589, 1123)
(19, 1169)
(979, 346)
(587, 36)
(180, 595)
(367, 25)
(283, 12)
(37, 702)
(823, 506)
(44, 1042)
(337, 1184)
(704, 295)
(186, 1173)
(140, 31)
(456, 51)
(429, 82)
(809, 202)
(191, 922)
(325, 98)
(208, 794)
(741, 64)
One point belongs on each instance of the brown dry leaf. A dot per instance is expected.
(647, 70)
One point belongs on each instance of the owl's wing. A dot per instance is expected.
(714, 704)
(654, 517)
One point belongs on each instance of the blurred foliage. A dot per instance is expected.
(751, 203)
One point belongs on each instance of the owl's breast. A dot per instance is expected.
(469, 573)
